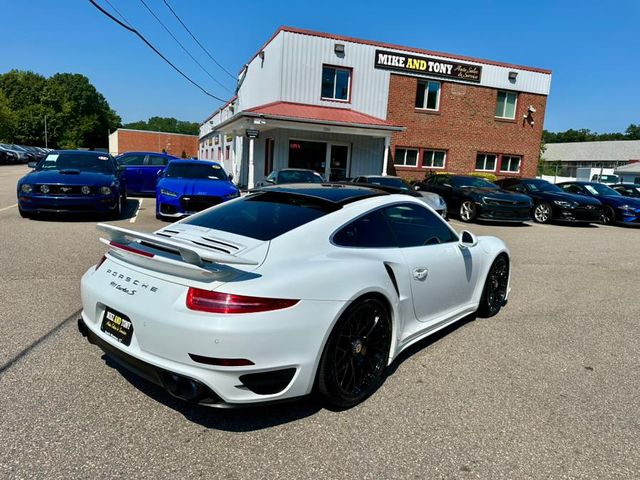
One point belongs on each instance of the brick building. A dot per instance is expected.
(126, 140)
(347, 107)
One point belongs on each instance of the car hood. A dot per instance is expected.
(81, 178)
(434, 200)
(618, 200)
(197, 186)
(568, 197)
(498, 194)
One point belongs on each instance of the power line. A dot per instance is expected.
(118, 12)
(182, 46)
(133, 30)
(196, 40)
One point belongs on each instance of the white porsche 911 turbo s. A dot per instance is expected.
(286, 291)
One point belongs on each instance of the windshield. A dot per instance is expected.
(473, 182)
(89, 162)
(263, 216)
(542, 186)
(298, 176)
(388, 182)
(195, 170)
(600, 189)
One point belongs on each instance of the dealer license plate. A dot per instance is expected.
(117, 325)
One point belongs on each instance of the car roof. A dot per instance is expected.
(148, 153)
(379, 176)
(197, 162)
(296, 170)
(336, 193)
(81, 152)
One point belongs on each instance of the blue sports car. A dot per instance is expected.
(188, 186)
(617, 209)
(72, 181)
(140, 170)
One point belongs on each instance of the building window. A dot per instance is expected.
(406, 157)
(510, 163)
(506, 105)
(227, 149)
(336, 83)
(486, 162)
(433, 158)
(428, 95)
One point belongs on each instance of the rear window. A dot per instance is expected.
(263, 216)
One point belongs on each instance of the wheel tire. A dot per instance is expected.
(608, 216)
(542, 213)
(355, 357)
(494, 293)
(117, 213)
(467, 211)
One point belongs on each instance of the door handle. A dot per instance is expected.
(420, 273)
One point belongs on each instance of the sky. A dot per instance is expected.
(591, 47)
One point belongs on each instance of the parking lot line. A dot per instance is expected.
(7, 208)
(135, 215)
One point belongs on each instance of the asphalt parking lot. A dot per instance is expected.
(546, 389)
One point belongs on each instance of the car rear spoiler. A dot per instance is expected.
(151, 246)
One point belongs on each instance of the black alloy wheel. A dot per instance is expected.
(608, 216)
(356, 355)
(467, 211)
(495, 288)
(542, 213)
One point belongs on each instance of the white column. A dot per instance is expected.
(250, 181)
(385, 159)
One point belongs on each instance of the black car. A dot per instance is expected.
(291, 175)
(8, 157)
(616, 208)
(553, 203)
(627, 189)
(476, 198)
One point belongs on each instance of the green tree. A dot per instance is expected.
(633, 132)
(165, 124)
(7, 119)
(77, 114)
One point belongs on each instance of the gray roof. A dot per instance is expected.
(631, 168)
(611, 151)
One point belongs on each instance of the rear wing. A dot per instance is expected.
(148, 249)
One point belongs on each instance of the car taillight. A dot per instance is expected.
(104, 257)
(218, 302)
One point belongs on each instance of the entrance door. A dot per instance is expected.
(338, 167)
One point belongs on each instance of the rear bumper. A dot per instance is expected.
(173, 345)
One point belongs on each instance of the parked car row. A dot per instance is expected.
(95, 182)
(14, 154)
(523, 199)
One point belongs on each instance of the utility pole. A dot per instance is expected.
(46, 139)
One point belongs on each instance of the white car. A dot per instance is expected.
(287, 290)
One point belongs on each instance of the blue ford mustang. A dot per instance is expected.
(72, 181)
(188, 186)
(617, 209)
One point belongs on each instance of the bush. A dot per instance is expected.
(488, 176)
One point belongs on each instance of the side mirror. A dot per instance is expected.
(467, 239)
(230, 177)
(32, 164)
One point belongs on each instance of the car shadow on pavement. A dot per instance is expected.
(242, 419)
(427, 342)
(129, 211)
